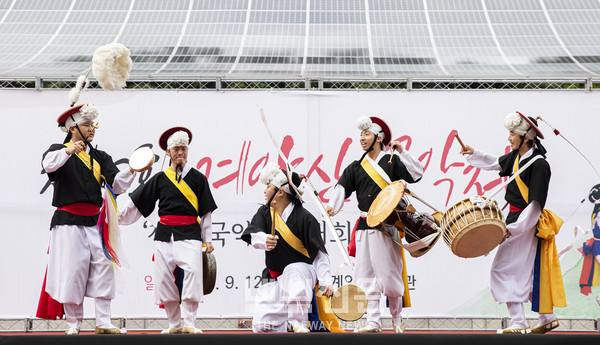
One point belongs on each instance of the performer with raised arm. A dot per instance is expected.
(77, 265)
(183, 194)
(380, 268)
(295, 255)
(526, 263)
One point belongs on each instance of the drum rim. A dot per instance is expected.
(141, 151)
(471, 227)
(449, 220)
(370, 221)
(209, 260)
(343, 316)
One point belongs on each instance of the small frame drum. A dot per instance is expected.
(473, 227)
(392, 213)
(141, 159)
(209, 272)
(349, 302)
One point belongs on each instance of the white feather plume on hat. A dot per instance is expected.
(88, 112)
(111, 65)
(82, 83)
(179, 138)
(515, 123)
(365, 123)
(272, 174)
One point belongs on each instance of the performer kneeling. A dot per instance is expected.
(183, 194)
(77, 266)
(295, 256)
(518, 259)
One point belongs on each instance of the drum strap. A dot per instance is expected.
(184, 188)
(85, 158)
(548, 288)
(375, 172)
(287, 234)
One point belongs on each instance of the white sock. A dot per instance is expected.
(189, 313)
(73, 314)
(102, 312)
(545, 318)
(517, 314)
(173, 314)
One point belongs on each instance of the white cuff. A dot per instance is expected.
(259, 240)
(322, 266)
(206, 225)
(54, 160)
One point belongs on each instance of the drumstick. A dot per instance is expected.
(421, 200)
(391, 156)
(460, 141)
(273, 224)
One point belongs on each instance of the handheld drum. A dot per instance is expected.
(141, 159)
(349, 302)
(209, 272)
(391, 213)
(473, 227)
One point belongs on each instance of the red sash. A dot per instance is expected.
(274, 274)
(81, 209)
(352, 244)
(177, 220)
(513, 208)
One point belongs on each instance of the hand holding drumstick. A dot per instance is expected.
(395, 145)
(464, 149)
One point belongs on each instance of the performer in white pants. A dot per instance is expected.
(77, 266)
(296, 258)
(515, 265)
(183, 194)
(379, 264)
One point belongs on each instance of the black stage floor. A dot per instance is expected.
(304, 339)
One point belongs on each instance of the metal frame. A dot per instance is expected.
(242, 323)
(318, 84)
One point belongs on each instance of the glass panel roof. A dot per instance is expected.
(306, 38)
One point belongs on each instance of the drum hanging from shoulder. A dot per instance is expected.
(141, 159)
(392, 213)
(349, 302)
(473, 227)
(209, 272)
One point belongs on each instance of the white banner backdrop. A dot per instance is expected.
(317, 131)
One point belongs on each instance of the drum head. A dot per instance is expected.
(384, 203)
(209, 272)
(349, 302)
(141, 159)
(478, 238)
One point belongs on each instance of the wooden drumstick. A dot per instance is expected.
(391, 156)
(273, 223)
(460, 141)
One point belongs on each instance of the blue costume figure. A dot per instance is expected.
(590, 271)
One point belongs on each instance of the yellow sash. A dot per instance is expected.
(183, 188)
(85, 158)
(326, 315)
(382, 183)
(373, 173)
(552, 290)
(287, 234)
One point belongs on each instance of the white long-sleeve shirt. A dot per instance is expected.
(321, 262)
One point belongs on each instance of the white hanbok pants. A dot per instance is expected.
(378, 270)
(77, 268)
(285, 300)
(187, 254)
